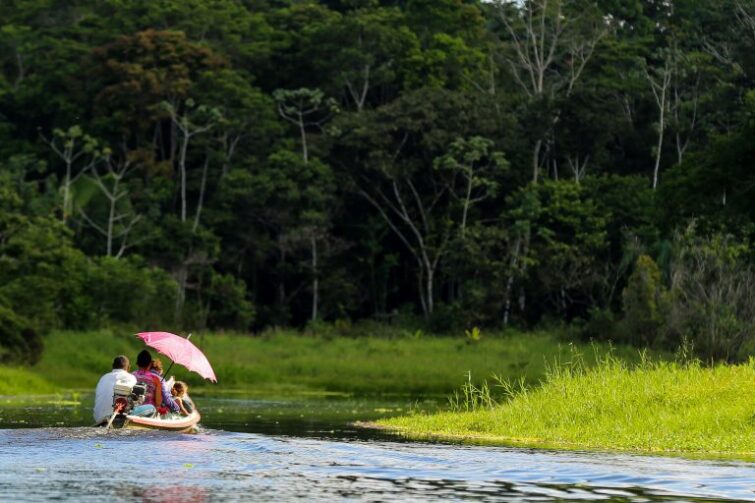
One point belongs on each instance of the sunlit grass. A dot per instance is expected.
(397, 361)
(19, 381)
(656, 407)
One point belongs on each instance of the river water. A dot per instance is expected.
(305, 449)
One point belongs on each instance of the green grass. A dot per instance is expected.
(20, 381)
(658, 407)
(395, 362)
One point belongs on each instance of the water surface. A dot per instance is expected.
(302, 448)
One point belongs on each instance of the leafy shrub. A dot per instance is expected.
(226, 302)
(600, 326)
(128, 291)
(712, 300)
(18, 341)
(709, 303)
(642, 300)
(446, 318)
(473, 335)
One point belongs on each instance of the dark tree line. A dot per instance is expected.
(244, 163)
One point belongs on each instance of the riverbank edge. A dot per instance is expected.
(659, 408)
(487, 440)
(370, 360)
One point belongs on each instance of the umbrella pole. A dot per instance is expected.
(165, 375)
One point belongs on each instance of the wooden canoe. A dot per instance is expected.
(182, 424)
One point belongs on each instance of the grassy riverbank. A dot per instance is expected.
(395, 361)
(17, 381)
(660, 407)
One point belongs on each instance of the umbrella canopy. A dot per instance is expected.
(181, 351)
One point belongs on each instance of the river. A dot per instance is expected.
(303, 448)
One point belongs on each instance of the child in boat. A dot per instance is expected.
(181, 397)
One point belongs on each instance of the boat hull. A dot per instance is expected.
(183, 424)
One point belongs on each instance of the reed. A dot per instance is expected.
(649, 407)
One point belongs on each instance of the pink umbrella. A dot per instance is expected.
(181, 351)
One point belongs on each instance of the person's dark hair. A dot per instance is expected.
(143, 359)
(121, 362)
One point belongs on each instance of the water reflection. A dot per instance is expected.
(171, 494)
(323, 459)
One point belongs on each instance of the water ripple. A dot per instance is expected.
(87, 464)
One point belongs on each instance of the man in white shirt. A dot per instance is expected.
(103, 398)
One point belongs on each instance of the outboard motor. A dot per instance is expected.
(126, 397)
(137, 394)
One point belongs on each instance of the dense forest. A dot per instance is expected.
(236, 164)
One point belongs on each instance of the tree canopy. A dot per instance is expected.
(254, 162)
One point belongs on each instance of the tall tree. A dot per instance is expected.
(546, 46)
(79, 152)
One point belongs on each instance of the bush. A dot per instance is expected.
(709, 304)
(642, 299)
(128, 291)
(601, 326)
(227, 304)
(712, 302)
(18, 341)
(446, 318)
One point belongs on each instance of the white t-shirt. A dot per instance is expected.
(103, 398)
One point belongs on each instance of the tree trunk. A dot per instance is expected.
(111, 219)
(661, 127)
(429, 294)
(315, 284)
(281, 281)
(510, 283)
(172, 145)
(181, 278)
(66, 189)
(303, 133)
(182, 169)
(536, 160)
(200, 202)
(421, 288)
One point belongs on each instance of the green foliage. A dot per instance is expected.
(128, 291)
(706, 302)
(18, 341)
(643, 300)
(41, 271)
(653, 408)
(472, 398)
(711, 295)
(138, 71)
(289, 161)
(22, 381)
(473, 335)
(567, 236)
(601, 325)
(227, 303)
(372, 358)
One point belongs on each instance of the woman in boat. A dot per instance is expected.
(158, 394)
